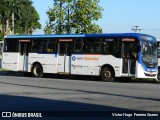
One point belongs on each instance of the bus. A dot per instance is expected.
(158, 47)
(1, 47)
(105, 55)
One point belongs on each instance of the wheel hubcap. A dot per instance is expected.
(36, 71)
(107, 74)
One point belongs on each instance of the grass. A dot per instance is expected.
(3, 70)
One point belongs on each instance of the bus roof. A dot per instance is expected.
(76, 35)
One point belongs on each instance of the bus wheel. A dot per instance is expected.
(37, 71)
(107, 74)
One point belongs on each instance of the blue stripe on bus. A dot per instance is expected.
(144, 66)
(75, 35)
(138, 35)
(148, 69)
(45, 36)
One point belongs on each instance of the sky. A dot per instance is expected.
(118, 16)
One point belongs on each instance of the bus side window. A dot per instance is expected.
(35, 45)
(52, 45)
(87, 46)
(11, 45)
(97, 47)
(110, 46)
(78, 45)
(92, 45)
(49, 49)
(104, 47)
(43, 45)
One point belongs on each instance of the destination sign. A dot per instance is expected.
(24, 40)
(128, 39)
(65, 40)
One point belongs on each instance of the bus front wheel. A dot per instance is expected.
(37, 71)
(107, 74)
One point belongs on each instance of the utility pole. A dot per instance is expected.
(136, 28)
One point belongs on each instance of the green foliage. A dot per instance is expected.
(29, 23)
(73, 16)
(1, 36)
(18, 16)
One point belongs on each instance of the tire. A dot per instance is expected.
(107, 74)
(37, 71)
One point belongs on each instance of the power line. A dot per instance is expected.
(136, 28)
(152, 29)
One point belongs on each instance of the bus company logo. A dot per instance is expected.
(73, 58)
(84, 58)
(90, 58)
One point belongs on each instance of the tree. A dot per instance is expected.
(16, 7)
(56, 18)
(73, 16)
(84, 16)
(3, 15)
(29, 23)
(18, 16)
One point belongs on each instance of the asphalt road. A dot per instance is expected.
(18, 93)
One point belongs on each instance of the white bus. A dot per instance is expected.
(104, 55)
(1, 47)
(158, 46)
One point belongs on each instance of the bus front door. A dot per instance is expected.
(64, 58)
(23, 55)
(129, 57)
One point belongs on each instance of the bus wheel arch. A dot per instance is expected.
(107, 73)
(37, 70)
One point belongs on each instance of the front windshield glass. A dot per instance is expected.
(149, 54)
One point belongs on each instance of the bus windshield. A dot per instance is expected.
(149, 54)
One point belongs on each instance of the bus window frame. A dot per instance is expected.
(7, 45)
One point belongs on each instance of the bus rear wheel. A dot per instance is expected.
(107, 74)
(37, 71)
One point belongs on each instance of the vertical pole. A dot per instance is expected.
(13, 22)
(68, 24)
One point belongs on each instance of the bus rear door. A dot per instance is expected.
(64, 56)
(23, 56)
